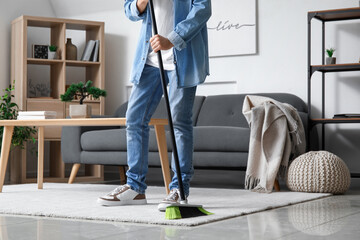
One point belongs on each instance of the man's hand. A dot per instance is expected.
(141, 5)
(159, 42)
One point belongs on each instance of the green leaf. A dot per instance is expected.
(82, 91)
(9, 110)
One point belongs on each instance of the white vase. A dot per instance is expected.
(330, 60)
(80, 111)
(51, 55)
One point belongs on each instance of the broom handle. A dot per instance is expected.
(164, 87)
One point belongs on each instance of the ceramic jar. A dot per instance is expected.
(71, 50)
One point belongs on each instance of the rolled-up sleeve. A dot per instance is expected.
(188, 28)
(176, 40)
(132, 12)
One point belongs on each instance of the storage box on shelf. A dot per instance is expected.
(21, 60)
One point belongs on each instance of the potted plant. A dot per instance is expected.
(330, 59)
(9, 111)
(52, 52)
(81, 91)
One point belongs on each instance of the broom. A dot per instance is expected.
(182, 209)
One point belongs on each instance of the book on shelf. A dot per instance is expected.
(95, 57)
(347, 115)
(35, 117)
(37, 113)
(91, 51)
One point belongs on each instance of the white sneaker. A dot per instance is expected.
(122, 195)
(171, 198)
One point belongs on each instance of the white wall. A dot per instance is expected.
(9, 10)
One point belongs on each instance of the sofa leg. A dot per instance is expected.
(122, 171)
(74, 171)
(277, 185)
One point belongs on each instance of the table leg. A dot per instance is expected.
(5, 149)
(40, 157)
(162, 147)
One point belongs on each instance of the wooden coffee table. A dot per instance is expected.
(159, 125)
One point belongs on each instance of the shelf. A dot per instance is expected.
(81, 63)
(336, 14)
(347, 67)
(46, 22)
(328, 16)
(55, 74)
(47, 99)
(40, 61)
(85, 101)
(335, 120)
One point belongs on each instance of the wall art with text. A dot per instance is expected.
(232, 28)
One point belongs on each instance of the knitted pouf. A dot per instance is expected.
(320, 172)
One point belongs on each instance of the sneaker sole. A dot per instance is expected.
(121, 203)
(162, 206)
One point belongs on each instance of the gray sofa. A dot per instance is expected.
(221, 135)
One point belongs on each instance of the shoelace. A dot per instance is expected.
(117, 190)
(173, 194)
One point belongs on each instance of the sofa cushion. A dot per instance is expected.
(221, 139)
(160, 111)
(104, 157)
(115, 140)
(222, 110)
(212, 139)
(226, 110)
(104, 140)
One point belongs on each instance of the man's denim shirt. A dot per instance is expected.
(189, 38)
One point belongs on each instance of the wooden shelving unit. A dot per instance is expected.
(20, 61)
(328, 16)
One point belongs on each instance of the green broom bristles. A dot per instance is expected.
(178, 212)
(204, 211)
(172, 213)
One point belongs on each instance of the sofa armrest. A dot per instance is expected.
(70, 139)
(70, 144)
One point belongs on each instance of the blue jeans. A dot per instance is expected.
(145, 97)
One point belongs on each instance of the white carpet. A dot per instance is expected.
(78, 201)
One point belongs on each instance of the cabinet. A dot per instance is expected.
(55, 31)
(325, 17)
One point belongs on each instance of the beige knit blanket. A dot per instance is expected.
(276, 134)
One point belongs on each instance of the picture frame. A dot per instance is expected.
(232, 28)
(40, 51)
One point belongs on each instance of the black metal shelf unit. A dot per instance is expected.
(328, 16)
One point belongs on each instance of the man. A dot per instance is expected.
(183, 42)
